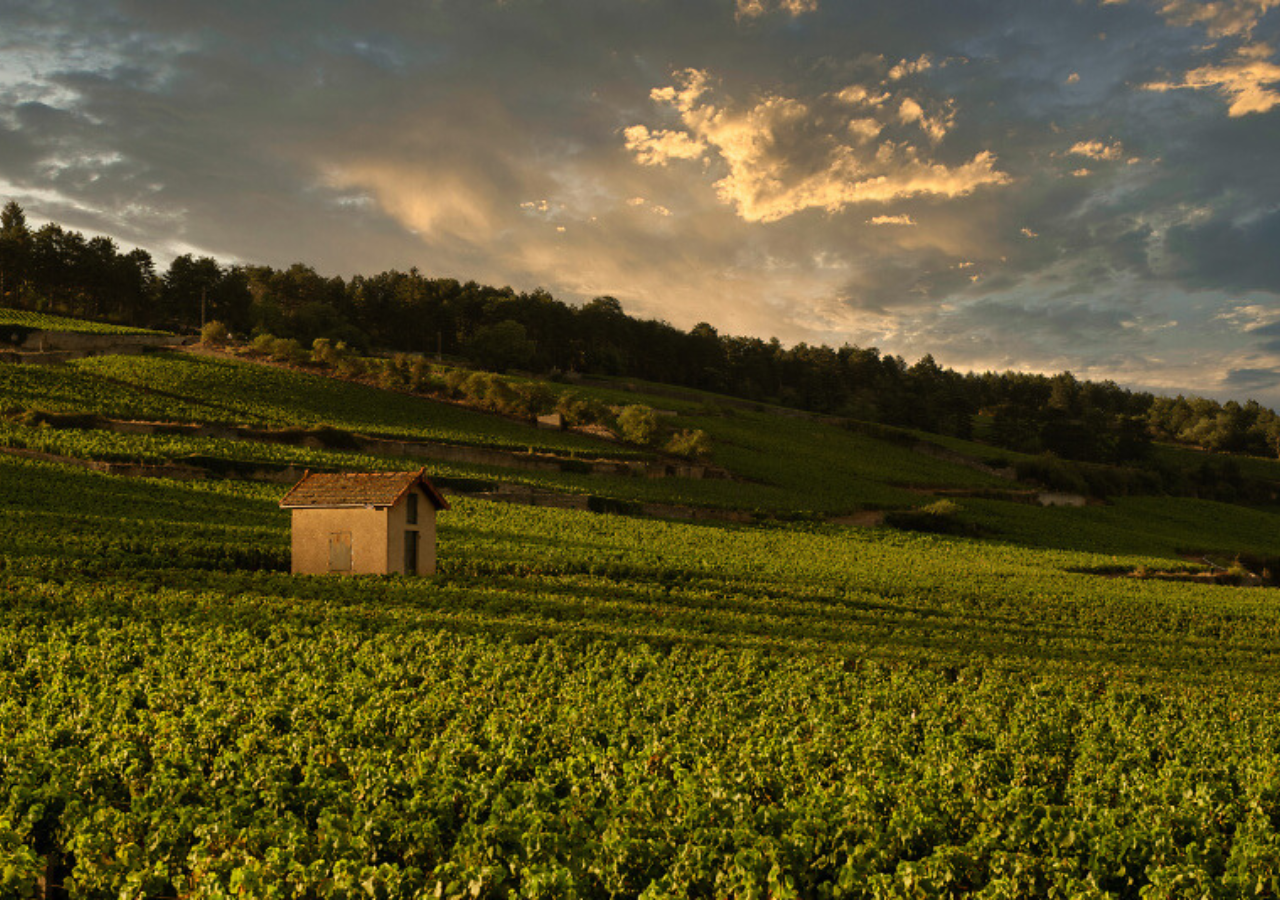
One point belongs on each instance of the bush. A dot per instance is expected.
(350, 367)
(454, 380)
(288, 350)
(262, 344)
(421, 379)
(214, 334)
(393, 374)
(488, 391)
(936, 518)
(578, 410)
(691, 444)
(639, 425)
(325, 353)
(534, 399)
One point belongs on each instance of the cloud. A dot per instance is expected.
(1250, 317)
(750, 9)
(891, 220)
(657, 148)
(780, 156)
(1098, 150)
(432, 204)
(910, 67)
(1220, 18)
(935, 127)
(858, 95)
(656, 209)
(864, 130)
(1245, 81)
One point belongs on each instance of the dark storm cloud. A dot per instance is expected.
(1043, 182)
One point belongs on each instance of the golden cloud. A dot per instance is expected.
(910, 67)
(750, 9)
(437, 203)
(1220, 18)
(857, 95)
(936, 127)
(1245, 81)
(891, 220)
(781, 158)
(1098, 150)
(657, 148)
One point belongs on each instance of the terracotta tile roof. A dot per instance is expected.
(358, 489)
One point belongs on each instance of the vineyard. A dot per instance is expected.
(33, 321)
(591, 706)
(606, 706)
(184, 388)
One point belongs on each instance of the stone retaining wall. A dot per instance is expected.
(459, 453)
(46, 341)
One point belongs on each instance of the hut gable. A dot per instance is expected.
(364, 523)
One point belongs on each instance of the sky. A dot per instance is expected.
(1042, 185)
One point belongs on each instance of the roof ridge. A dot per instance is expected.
(355, 489)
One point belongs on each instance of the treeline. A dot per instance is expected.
(56, 270)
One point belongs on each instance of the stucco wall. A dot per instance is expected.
(426, 527)
(310, 544)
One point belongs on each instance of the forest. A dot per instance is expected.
(57, 270)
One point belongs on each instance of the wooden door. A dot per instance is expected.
(340, 551)
(411, 553)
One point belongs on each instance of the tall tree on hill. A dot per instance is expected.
(15, 246)
(187, 287)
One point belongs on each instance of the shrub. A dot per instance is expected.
(393, 374)
(288, 350)
(214, 334)
(579, 410)
(691, 444)
(324, 353)
(639, 425)
(350, 367)
(262, 344)
(454, 380)
(936, 518)
(421, 378)
(487, 391)
(534, 399)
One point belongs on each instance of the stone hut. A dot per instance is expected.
(361, 523)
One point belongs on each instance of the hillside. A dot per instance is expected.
(233, 415)
(641, 700)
